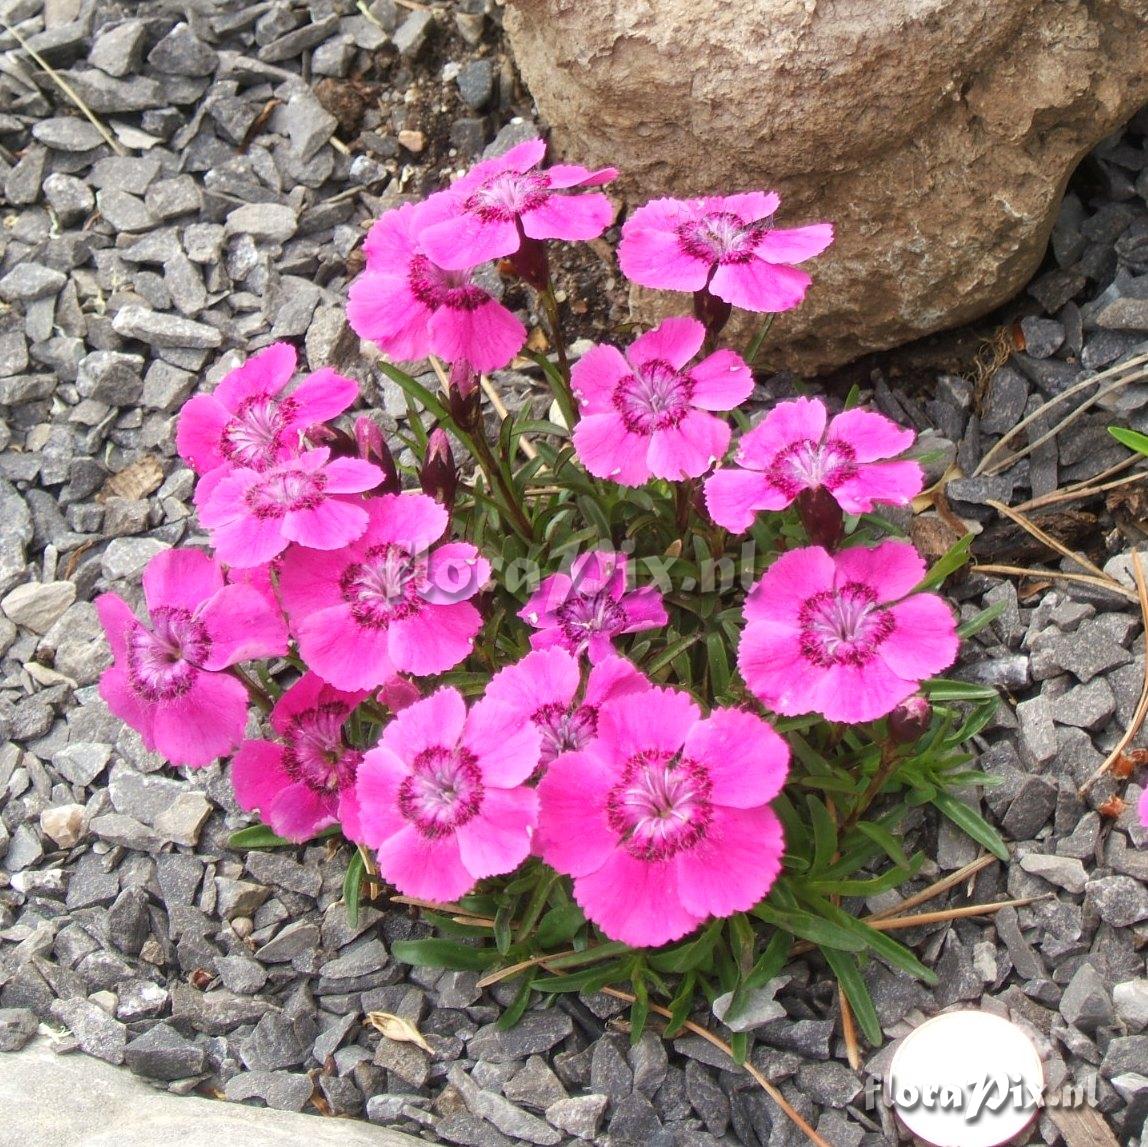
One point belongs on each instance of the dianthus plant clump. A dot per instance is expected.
(639, 686)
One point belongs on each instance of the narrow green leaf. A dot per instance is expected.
(739, 1047)
(823, 933)
(639, 1009)
(956, 556)
(503, 918)
(559, 925)
(942, 689)
(1130, 438)
(680, 1005)
(691, 955)
(591, 955)
(415, 389)
(848, 975)
(969, 821)
(521, 1001)
(260, 836)
(982, 620)
(588, 980)
(824, 833)
(444, 954)
(353, 887)
(885, 840)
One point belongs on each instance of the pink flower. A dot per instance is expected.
(388, 603)
(165, 681)
(792, 450)
(298, 785)
(503, 201)
(1142, 808)
(411, 307)
(725, 244)
(835, 633)
(662, 820)
(645, 414)
(442, 798)
(247, 421)
(545, 687)
(587, 608)
(254, 514)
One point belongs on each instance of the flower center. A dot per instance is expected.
(661, 806)
(843, 626)
(582, 616)
(504, 196)
(163, 660)
(654, 397)
(564, 730)
(806, 464)
(436, 288)
(315, 751)
(286, 489)
(384, 586)
(253, 435)
(443, 792)
(720, 237)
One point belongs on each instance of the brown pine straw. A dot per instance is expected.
(752, 1071)
(1052, 543)
(1056, 575)
(1088, 487)
(849, 1030)
(1141, 710)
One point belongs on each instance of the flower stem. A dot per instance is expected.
(754, 348)
(255, 691)
(890, 759)
(496, 480)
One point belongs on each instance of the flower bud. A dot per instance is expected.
(711, 311)
(371, 447)
(438, 476)
(530, 262)
(464, 395)
(398, 693)
(910, 721)
(822, 517)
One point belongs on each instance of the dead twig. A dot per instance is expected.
(1047, 539)
(1056, 575)
(1088, 487)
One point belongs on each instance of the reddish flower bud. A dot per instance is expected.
(910, 721)
(530, 262)
(398, 693)
(370, 445)
(822, 517)
(712, 311)
(438, 476)
(464, 395)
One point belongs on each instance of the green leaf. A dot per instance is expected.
(884, 840)
(982, 620)
(502, 921)
(353, 887)
(680, 1005)
(956, 556)
(824, 833)
(969, 821)
(444, 954)
(942, 689)
(718, 663)
(849, 977)
(260, 836)
(739, 1047)
(591, 955)
(559, 925)
(588, 980)
(521, 1001)
(689, 956)
(416, 390)
(823, 933)
(1130, 438)
(639, 1009)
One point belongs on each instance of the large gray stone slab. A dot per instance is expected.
(76, 1101)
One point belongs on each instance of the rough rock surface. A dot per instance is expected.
(936, 134)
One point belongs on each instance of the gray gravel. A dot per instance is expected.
(228, 223)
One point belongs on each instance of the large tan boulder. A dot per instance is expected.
(937, 134)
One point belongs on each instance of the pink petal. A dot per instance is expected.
(118, 620)
(635, 901)
(125, 703)
(331, 525)
(675, 340)
(871, 435)
(242, 625)
(300, 697)
(760, 286)
(799, 420)
(574, 218)
(855, 693)
(435, 721)
(258, 775)
(595, 376)
(574, 835)
(487, 336)
(322, 396)
(350, 815)
(205, 723)
(563, 175)
(224, 499)
(430, 869)
(521, 157)
(466, 240)
(749, 206)
(413, 521)
(341, 651)
(351, 476)
(309, 580)
(787, 585)
(608, 450)
(248, 541)
(770, 662)
(181, 578)
(200, 431)
(299, 812)
(267, 372)
(653, 257)
(613, 677)
(794, 244)
(890, 483)
(377, 784)
(735, 865)
(390, 243)
(546, 677)
(746, 760)
(539, 610)
(507, 753)
(455, 572)
(733, 498)
(644, 609)
(721, 381)
(925, 640)
(688, 449)
(598, 570)
(497, 840)
(891, 569)
(384, 310)
(657, 719)
(435, 639)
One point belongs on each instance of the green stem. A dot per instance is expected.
(755, 346)
(495, 478)
(254, 690)
(536, 904)
(550, 305)
(887, 767)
